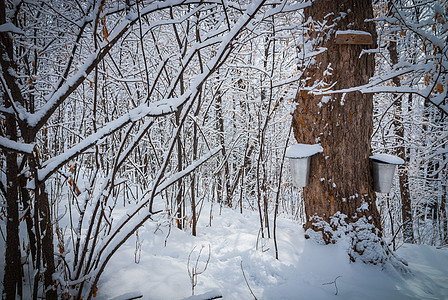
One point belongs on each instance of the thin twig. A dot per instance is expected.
(335, 285)
(245, 279)
(193, 271)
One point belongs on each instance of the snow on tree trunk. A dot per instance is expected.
(340, 189)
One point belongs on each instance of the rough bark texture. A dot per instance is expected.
(340, 178)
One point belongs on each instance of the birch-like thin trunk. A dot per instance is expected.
(400, 151)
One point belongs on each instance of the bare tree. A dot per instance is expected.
(87, 42)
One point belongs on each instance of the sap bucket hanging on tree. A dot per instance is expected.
(299, 156)
(383, 170)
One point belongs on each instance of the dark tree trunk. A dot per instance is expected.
(179, 196)
(26, 203)
(406, 210)
(12, 281)
(46, 228)
(42, 213)
(222, 178)
(340, 179)
(12, 278)
(444, 218)
(193, 189)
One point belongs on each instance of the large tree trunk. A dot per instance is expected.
(340, 179)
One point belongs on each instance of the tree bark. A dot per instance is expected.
(222, 178)
(46, 228)
(444, 218)
(26, 203)
(406, 210)
(12, 280)
(340, 178)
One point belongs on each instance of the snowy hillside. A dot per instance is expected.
(305, 270)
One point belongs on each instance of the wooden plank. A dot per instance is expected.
(353, 37)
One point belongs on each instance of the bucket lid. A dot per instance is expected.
(387, 159)
(303, 150)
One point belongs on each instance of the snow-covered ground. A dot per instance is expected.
(304, 270)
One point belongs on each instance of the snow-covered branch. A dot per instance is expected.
(14, 146)
(155, 109)
(39, 118)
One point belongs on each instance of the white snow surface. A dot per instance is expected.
(387, 158)
(303, 150)
(302, 272)
(9, 27)
(16, 146)
(357, 32)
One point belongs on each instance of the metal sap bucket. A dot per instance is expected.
(300, 170)
(383, 171)
(383, 176)
(299, 156)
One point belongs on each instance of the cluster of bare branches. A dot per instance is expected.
(412, 117)
(105, 102)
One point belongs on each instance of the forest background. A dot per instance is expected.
(163, 108)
